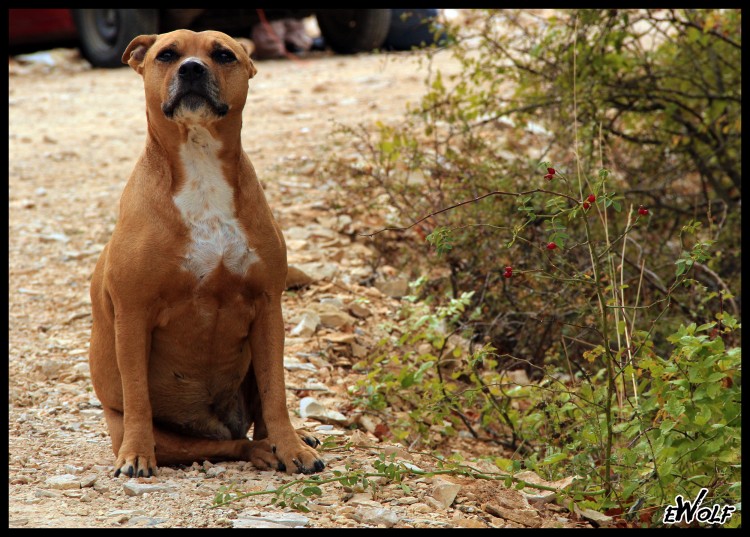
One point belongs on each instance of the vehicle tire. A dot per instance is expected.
(348, 31)
(105, 33)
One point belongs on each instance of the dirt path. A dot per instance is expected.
(74, 136)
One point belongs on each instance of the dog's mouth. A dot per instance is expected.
(193, 100)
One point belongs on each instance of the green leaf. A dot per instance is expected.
(553, 459)
(312, 491)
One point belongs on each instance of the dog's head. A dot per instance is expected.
(192, 76)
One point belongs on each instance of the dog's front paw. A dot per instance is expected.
(134, 464)
(298, 456)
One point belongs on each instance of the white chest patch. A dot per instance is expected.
(207, 207)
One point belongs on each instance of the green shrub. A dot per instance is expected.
(593, 279)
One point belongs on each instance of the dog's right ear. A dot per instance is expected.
(136, 51)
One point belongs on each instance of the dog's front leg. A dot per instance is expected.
(267, 348)
(135, 456)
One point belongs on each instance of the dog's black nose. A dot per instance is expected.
(192, 70)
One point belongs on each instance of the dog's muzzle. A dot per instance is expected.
(194, 87)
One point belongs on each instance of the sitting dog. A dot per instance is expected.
(187, 338)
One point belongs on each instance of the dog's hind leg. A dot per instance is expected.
(173, 448)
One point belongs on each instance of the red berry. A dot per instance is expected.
(548, 177)
(508, 269)
(586, 205)
(551, 171)
(642, 210)
(551, 246)
(508, 274)
(591, 198)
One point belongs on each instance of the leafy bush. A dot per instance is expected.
(577, 165)
(647, 81)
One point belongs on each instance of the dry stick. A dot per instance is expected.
(474, 200)
(628, 338)
(632, 327)
(597, 282)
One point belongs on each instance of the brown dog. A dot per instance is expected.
(187, 336)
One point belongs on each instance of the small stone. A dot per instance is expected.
(88, 480)
(377, 517)
(394, 288)
(339, 337)
(369, 423)
(337, 302)
(359, 351)
(307, 325)
(445, 492)
(291, 364)
(432, 502)
(421, 508)
(358, 438)
(285, 520)
(41, 493)
(71, 469)
(255, 523)
(596, 518)
(333, 317)
(526, 517)
(310, 408)
(319, 271)
(469, 523)
(215, 471)
(145, 521)
(359, 311)
(64, 482)
(134, 488)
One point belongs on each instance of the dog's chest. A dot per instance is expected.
(206, 203)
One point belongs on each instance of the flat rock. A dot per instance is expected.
(339, 337)
(134, 488)
(310, 408)
(284, 520)
(395, 288)
(526, 517)
(376, 517)
(215, 471)
(64, 482)
(255, 523)
(295, 365)
(332, 316)
(420, 507)
(145, 521)
(307, 325)
(359, 311)
(595, 517)
(319, 270)
(445, 492)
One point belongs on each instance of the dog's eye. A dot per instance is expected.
(166, 56)
(224, 56)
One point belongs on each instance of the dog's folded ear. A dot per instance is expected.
(248, 46)
(136, 51)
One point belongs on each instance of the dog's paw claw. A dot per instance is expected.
(311, 441)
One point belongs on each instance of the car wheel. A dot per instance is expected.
(105, 33)
(348, 31)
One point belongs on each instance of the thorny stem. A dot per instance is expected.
(463, 470)
(466, 202)
(598, 286)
